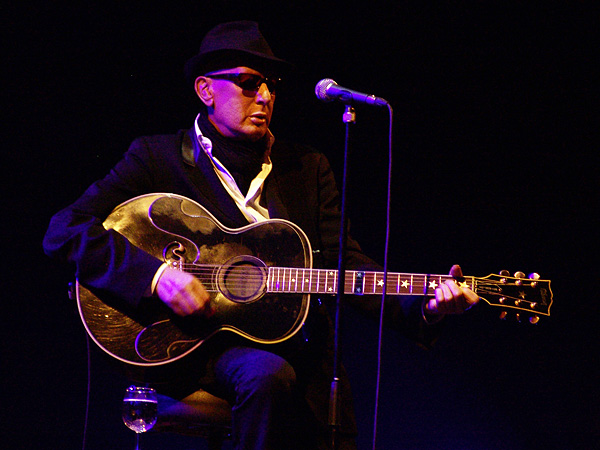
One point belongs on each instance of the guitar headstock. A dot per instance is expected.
(528, 297)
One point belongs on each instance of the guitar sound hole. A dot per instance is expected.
(243, 279)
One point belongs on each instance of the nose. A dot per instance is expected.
(263, 94)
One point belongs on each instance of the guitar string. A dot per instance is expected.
(289, 276)
(321, 276)
(243, 276)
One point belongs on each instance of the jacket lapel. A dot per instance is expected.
(210, 192)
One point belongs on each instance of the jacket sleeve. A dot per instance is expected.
(103, 259)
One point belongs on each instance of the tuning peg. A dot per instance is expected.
(534, 319)
(504, 273)
(534, 276)
(519, 274)
(503, 315)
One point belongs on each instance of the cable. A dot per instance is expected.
(385, 271)
(87, 396)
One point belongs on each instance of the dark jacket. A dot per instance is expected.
(301, 188)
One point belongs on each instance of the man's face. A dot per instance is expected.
(243, 114)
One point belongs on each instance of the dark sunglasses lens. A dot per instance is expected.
(252, 82)
(249, 82)
(272, 84)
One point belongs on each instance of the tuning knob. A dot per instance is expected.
(534, 276)
(504, 273)
(534, 319)
(519, 274)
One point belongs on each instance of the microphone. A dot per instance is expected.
(328, 91)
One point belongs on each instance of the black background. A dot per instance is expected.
(495, 167)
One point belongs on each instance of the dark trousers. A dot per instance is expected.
(267, 409)
(268, 405)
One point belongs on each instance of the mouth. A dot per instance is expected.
(258, 118)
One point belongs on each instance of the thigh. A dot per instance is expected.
(239, 368)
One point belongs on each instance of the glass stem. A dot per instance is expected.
(137, 441)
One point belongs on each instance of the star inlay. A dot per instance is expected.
(433, 284)
(405, 284)
(380, 283)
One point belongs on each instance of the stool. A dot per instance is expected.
(199, 414)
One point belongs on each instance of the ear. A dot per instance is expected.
(203, 88)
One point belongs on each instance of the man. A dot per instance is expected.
(230, 163)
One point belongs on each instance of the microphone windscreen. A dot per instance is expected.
(321, 89)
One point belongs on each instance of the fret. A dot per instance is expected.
(296, 282)
(367, 283)
(327, 273)
(331, 289)
(269, 279)
(318, 280)
(335, 282)
(281, 279)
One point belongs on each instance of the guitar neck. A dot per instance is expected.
(321, 281)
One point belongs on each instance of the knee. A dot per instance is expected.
(271, 376)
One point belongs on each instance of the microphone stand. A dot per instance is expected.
(349, 118)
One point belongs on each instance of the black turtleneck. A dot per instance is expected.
(243, 159)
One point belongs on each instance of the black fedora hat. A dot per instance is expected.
(234, 44)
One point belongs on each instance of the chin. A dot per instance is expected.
(255, 135)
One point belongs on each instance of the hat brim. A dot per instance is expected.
(202, 64)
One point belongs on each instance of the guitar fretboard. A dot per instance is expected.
(321, 281)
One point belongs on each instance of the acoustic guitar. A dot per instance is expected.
(259, 277)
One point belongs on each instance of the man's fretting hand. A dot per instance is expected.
(450, 298)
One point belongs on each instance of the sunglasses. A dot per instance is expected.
(248, 81)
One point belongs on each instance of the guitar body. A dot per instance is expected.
(231, 263)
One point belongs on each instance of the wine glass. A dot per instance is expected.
(139, 410)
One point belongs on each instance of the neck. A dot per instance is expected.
(243, 159)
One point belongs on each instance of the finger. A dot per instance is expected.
(456, 271)
(198, 298)
(471, 298)
(431, 306)
(442, 295)
(461, 298)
